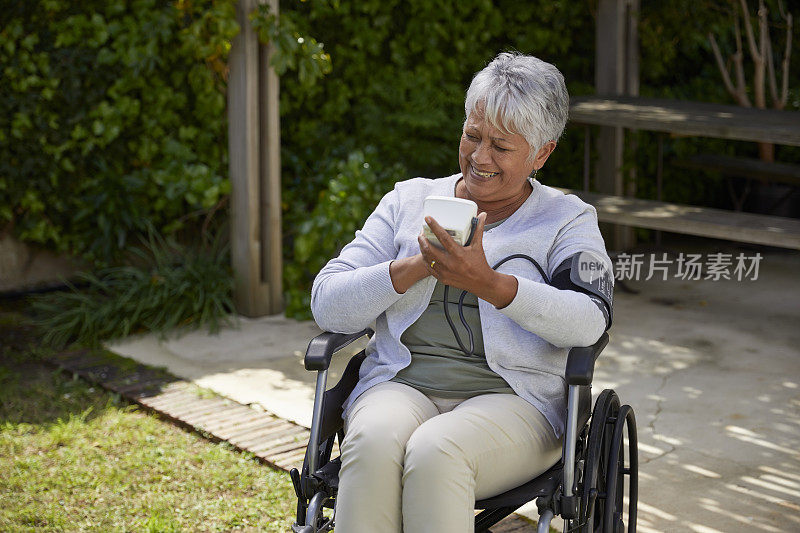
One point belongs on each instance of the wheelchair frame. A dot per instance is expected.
(592, 469)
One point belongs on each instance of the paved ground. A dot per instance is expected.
(711, 367)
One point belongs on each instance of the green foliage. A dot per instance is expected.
(112, 117)
(170, 286)
(677, 61)
(355, 186)
(293, 50)
(400, 70)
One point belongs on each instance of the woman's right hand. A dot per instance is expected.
(407, 271)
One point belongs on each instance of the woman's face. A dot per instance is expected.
(495, 165)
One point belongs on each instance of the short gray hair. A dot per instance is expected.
(521, 94)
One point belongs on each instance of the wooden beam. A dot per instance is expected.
(272, 237)
(683, 117)
(743, 167)
(254, 150)
(616, 73)
(692, 220)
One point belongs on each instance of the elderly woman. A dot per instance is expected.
(432, 427)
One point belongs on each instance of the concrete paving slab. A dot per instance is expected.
(256, 361)
(712, 369)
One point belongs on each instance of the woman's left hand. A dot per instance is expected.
(465, 267)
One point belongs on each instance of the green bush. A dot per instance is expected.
(400, 70)
(112, 117)
(355, 186)
(165, 286)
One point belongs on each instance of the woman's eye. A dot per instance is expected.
(500, 149)
(471, 137)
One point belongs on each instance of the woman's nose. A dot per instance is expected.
(481, 154)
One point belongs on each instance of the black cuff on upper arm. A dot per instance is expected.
(599, 289)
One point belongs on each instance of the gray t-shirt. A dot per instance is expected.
(438, 365)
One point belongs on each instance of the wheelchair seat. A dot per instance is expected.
(592, 469)
(548, 480)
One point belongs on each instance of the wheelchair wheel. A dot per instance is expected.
(613, 514)
(315, 521)
(602, 485)
(590, 514)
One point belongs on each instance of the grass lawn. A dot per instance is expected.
(74, 457)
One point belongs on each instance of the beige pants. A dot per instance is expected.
(417, 464)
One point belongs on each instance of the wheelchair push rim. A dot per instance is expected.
(602, 483)
(613, 513)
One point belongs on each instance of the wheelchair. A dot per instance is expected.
(586, 487)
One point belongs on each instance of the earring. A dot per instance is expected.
(535, 171)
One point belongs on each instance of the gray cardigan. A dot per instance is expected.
(526, 342)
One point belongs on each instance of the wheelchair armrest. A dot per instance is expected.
(322, 347)
(580, 362)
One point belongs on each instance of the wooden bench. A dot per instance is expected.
(747, 168)
(692, 220)
(684, 118)
(743, 167)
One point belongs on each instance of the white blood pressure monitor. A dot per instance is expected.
(453, 214)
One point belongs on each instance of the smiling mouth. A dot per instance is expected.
(484, 174)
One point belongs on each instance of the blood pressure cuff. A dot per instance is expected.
(585, 272)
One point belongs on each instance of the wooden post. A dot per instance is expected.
(616, 73)
(254, 152)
